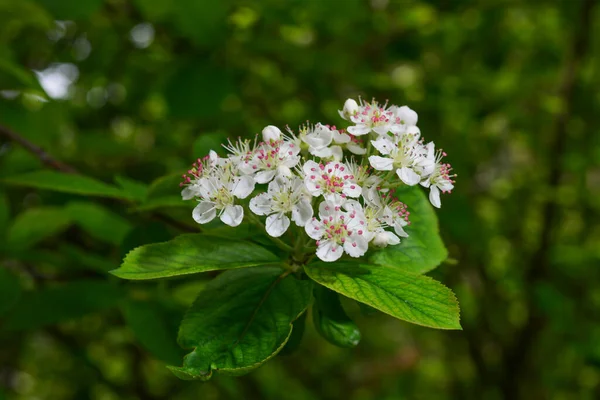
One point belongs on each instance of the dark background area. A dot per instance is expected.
(136, 90)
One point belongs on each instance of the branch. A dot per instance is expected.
(37, 151)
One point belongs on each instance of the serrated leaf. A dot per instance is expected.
(61, 303)
(242, 319)
(35, 225)
(293, 343)
(423, 250)
(190, 254)
(331, 320)
(10, 290)
(149, 323)
(66, 183)
(409, 297)
(98, 221)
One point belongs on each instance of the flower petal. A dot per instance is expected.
(261, 204)
(359, 130)
(271, 132)
(434, 196)
(383, 145)
(408, 176)
(329, 251)
(407, 115)
(356, 245)
(381, 163)
(204, 212)
(265, 176)
(243, 186)
(302, 212)
(189, 192)
(314, 229)
(232, 215)
(351, 189)
(277, 224)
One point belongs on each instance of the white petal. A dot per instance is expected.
(356, 149)
(383, 145)
(277, 224)
(407, 115)
(381, 163)
(359, 130)
(323, 152)
(271, 133)
(384, 238)
(356, 245)
(399, 229)
(302, 212)
(189, 192)
(232, 215)
(314, 229)
(310, 168)
(381, 130)
(329, 251)
(311, 187)
(351, 189)
(337, 153)
(328, 209)
(261, 204)
(340, 138)
(243, 186)
(265, 176)
(413, 130)
(434, 196)
(204, 212)
(408, 176)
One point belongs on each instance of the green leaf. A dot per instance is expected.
(242, 319)
(150, 323)
(423, 250)
(10, 290)
(295, 339)
(61, 303)
(35, 225)
(133, 189)
(66, 183)
(331, 320)
(190, 254)
(98, 221)
(410, 297)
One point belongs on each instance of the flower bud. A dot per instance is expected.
(271, 133)
(350, 107)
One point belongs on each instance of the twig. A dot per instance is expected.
(44, 157)
(517, 357)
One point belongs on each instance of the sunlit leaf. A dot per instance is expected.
(409, 297)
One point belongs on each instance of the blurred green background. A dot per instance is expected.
(132, 91)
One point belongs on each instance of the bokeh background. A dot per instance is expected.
(131, 91)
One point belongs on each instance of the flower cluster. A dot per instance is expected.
(337, 185)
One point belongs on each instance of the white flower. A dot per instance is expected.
(371, 117)
(269, 159)
(406, 116)
(403, 155)
(217, 194)
(201, 168)
(284, 196)
(377, 219)
(439, 180)
(271, 133)
(337, 232)
(333, 180)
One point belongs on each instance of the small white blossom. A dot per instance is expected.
(217, 193)
(284, 196)
(337, 232)
(333, 180)
(404, 152)
(372, 117)
(203, 167)
(269, 159)
(271, 133)
(439, 180)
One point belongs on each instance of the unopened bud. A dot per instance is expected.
(271, 133)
